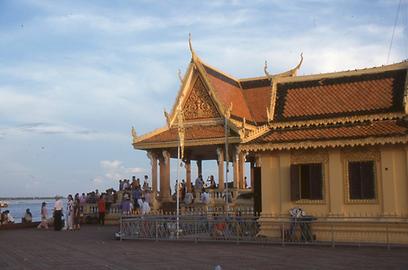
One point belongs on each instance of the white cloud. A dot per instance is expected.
(115, 170)
(69, 131)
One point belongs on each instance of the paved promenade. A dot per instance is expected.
(94, 248)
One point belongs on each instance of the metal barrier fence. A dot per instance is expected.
(252, 229)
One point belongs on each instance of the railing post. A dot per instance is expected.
(195, 229)
(121, 229)
(156, 229)
(283, 234)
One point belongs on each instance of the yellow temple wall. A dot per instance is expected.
(365, 218)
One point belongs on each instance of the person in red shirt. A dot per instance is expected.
(101, 210)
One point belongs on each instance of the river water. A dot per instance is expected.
(17, 208)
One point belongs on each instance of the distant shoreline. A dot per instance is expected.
(25, 198)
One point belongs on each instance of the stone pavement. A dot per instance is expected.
(94, 248)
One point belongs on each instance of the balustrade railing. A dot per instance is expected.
(279, 230)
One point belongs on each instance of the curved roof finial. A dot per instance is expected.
(266, 70)
(167, 116)
(179, 75)
(190, 44)
(134, 134)
(292, 72)
(295, 69)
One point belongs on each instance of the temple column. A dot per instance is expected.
(153, 163)
(252, 175)
(388, 180)
(236, 169)
(199, 167)
(220, 161)
(188, 175)
(165, 176)
(162, 169)
(335, 184)
(241, 170)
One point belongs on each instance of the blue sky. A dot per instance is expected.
(75, 76)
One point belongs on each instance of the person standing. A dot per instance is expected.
(101, 210)
(44, 216)
(58, 213)
(77, 212)
(70, 213)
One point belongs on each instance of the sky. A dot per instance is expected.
(75, 76)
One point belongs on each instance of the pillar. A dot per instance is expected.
(236, 169)
(220, 161)
(153, 163)
(270, 182)
(188, 175)
(252, 175)
(335, 184)
(199, 167)
(387, 173)
(241, 170)
(284, 182)
(165, 176)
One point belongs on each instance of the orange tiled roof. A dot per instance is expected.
(344, 96)
(258, 95)
(191, 133)
(383, 128)
(227, 91)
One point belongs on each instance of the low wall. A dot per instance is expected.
(340, 230)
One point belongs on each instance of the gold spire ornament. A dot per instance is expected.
(179, 75)
(189, 44)
(134, 134)
(266, 70)
(167, 116)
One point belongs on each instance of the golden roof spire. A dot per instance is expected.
(193, 54)
(167, 118)
(134, 134)
(190, 45)
(266, 70)
(179, 75)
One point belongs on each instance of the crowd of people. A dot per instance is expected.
(135, 195)
(131, 196)
(197, 192)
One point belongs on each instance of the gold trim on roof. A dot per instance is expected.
(324, 144)
(261, 130)
(348, 73)
(150, 134)
(187, 143)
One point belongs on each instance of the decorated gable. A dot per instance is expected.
(199, 104)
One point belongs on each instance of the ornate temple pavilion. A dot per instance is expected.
(335, 144)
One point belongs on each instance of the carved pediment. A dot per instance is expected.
(199, 104)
